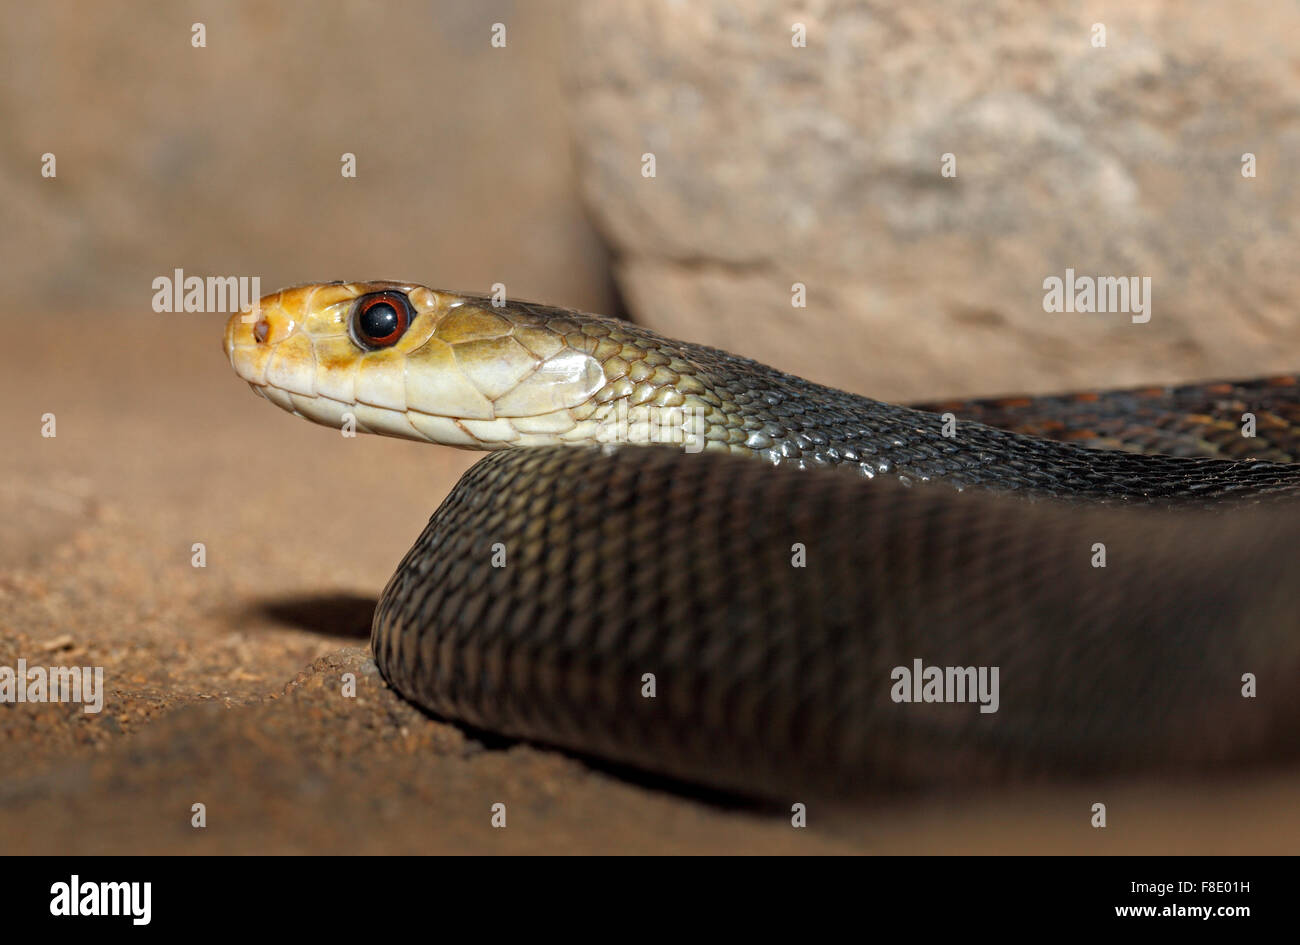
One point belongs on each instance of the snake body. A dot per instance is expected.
(737, 618)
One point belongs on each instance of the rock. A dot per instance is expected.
(822, 166)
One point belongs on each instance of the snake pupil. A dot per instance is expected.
(381, 319)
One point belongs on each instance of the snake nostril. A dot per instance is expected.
(261, 330)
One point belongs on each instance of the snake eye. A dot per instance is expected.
(380, 319)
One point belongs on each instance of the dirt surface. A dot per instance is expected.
(224, 684)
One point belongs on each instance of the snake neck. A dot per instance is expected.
(788, 420)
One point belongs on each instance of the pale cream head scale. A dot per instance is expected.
(409, 361)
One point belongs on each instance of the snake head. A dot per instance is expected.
(404, 360)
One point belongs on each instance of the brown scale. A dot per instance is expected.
(1186, 420)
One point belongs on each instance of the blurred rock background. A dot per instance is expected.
(226, 159)
(821, 165)
(775, 164)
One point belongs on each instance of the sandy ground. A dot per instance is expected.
(224, 683)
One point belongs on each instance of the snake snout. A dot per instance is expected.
(261, 334)
(252, 319)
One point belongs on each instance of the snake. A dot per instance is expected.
(684, 564)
